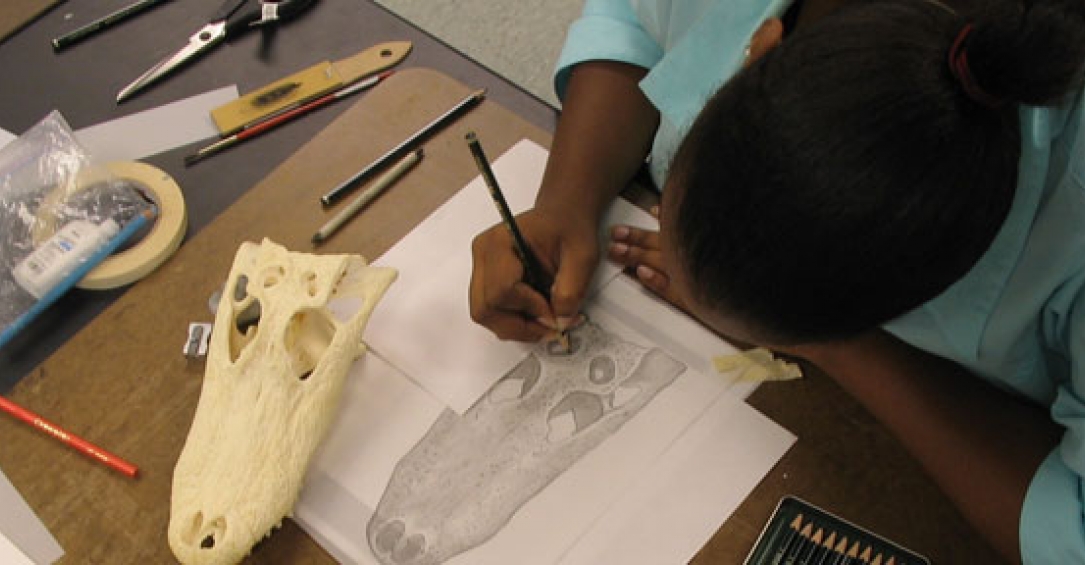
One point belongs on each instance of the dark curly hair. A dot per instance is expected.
(848, 177)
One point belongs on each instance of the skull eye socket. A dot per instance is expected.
(247, 312)
(307, 337)
(241, 288)
(248, 317)
(272, 276)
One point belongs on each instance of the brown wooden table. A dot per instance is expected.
(121, 381)
(83, 80)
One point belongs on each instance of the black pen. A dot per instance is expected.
(103, 22)
(403, 148)
(535, 275)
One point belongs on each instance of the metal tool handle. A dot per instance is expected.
(240, 15)
(287, 9)
(227, 9)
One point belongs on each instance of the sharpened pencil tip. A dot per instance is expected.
(317, 239)
(125, 94)
(566, 343)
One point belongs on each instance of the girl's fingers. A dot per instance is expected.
(633, 246)
(639, 249)
(635, 236)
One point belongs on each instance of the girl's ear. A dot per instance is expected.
(767, 37)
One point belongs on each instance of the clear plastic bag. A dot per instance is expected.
(58, 216)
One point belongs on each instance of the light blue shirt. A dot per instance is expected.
(1016, 319)
(690, 48)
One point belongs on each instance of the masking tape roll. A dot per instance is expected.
(156, 246)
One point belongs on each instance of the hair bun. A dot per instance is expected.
(1025, 55)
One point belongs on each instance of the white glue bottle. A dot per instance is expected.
(74, 243)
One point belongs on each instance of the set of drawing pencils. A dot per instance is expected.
(800, 533)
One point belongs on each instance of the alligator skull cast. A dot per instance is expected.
(287, 329)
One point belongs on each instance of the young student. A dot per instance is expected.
(893, 190)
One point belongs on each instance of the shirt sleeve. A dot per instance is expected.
(1051, 520)
(607, 30)
(1052, 528)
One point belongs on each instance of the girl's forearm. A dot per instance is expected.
(980, 444)
(603, 136)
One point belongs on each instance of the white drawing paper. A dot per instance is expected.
(465, 479)
(423, 326)
(531, 475)
(629, 446)
(23, 530)
(382, 415)
(679, 503)
(10, 555)
(684, 337)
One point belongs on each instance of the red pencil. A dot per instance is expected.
(76, 442)
(255, 130)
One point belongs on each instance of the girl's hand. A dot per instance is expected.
(565, 244)
(638, 250)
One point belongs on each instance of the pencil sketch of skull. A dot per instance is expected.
(285, 335)
(464, 480)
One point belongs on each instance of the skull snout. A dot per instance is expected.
(204, 534)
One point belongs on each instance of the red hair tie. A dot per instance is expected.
(958, 65)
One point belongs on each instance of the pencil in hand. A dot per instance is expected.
(535, 274)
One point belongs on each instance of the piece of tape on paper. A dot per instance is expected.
(757, 365)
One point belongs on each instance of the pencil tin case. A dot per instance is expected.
(799, 533)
